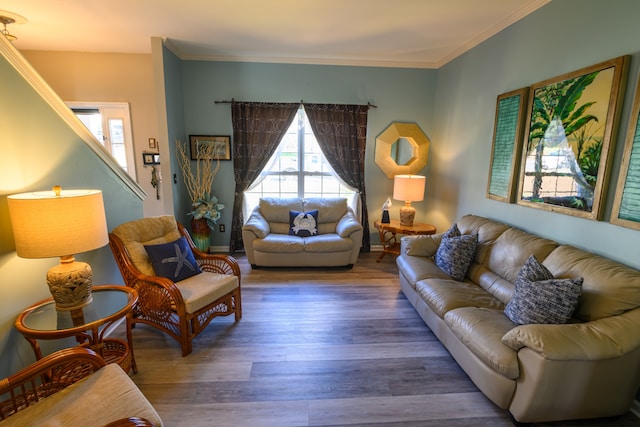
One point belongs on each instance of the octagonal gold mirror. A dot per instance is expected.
(402, 149)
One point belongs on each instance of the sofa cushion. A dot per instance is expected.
(546, 301)
(303, 224)
(481, 330)
(609, 288)
(442, 295)
(327, 243)
(275, 209)
(455, 253)
(203, 289)
(173, 260)
(279, 243)
(148, 231)
(330, 209)
(512, 249)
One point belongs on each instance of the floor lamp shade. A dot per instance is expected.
(60, 223)
(409, 188)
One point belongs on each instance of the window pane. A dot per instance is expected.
(298, 168)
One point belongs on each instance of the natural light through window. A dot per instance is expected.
(298, 169)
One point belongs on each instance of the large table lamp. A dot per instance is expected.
(61, 223)
(409, 188)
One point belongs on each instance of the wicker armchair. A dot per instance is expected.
(29, 396)
(182, 309)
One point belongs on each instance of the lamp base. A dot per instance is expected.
(70, 284)
(407, 214)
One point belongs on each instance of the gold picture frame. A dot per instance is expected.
(221, 146)
(570, 133)
(508, 130)
(626, 204)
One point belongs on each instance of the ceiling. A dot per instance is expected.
(400, 33)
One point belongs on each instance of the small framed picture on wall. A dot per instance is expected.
(210, 147)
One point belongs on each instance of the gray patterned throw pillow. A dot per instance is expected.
(533, 271)
(545, 301)
(455, 253)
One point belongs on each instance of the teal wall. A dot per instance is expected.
(561, 37)
(405, 95)
(39, 150)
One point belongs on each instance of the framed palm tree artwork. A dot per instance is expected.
(569, 137)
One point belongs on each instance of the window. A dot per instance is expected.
(109, 123)
(298, 169)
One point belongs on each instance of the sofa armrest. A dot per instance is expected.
(605, 338)
(421, 245)
(257, 224)
(348, 224)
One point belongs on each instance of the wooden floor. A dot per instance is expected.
(317, 347)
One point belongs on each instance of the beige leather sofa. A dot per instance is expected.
(334, 240)
(586, 368)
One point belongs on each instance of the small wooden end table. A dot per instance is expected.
(89, 324)
(388, 234)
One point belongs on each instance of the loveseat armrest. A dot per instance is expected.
(348, 224)
(45, 377)
(257, 224)
(605, 338)
(420, 245)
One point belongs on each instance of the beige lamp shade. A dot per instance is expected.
(46, 225)
(409, 188)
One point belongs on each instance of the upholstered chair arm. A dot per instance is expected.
(420, 245)
(257, 224)
(605, 338)
(45, 377)
(348, 224)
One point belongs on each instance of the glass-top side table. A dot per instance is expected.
(89, 324)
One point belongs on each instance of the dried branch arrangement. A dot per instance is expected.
(199, 183)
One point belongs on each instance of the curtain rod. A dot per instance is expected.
(370, 105)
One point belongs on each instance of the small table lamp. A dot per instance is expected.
(409, 188)
(60, 223)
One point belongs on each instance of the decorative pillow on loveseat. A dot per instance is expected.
(303, 224)
(173, 260)
(455, 253)
(539, 298)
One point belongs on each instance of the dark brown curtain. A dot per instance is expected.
(341, 131)
(258, 128)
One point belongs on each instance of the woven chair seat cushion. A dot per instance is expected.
(202, 289)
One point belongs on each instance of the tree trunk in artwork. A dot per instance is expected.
(200, 233)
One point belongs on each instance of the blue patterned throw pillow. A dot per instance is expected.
(303, 224)
(455, 253)
(545, 301)
(173, 260)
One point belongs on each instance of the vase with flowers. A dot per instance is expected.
(198, 180)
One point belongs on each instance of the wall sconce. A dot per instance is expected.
(60, 223)
(409, 188)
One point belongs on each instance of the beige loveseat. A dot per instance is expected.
(586, 368)
(334, 238)
(73, 387)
